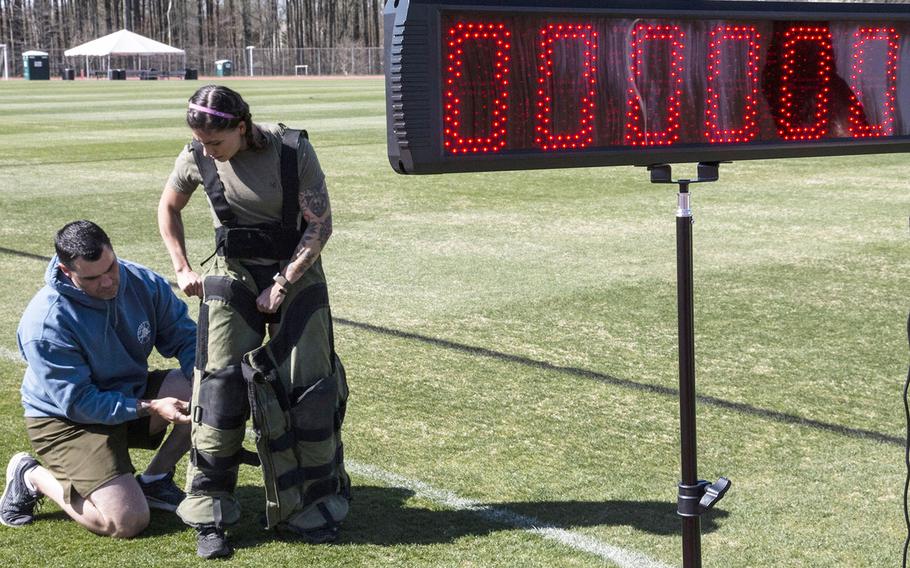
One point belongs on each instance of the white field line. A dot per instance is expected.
(10, 355)
(622, 557)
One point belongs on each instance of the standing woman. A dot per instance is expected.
(272, 219)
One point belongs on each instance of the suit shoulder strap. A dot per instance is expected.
(290, 179)
(214, 187)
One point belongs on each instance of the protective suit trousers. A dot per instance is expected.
(298, 392)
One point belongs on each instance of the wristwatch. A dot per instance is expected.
(281, 281)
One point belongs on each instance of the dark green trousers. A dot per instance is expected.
(298, 392)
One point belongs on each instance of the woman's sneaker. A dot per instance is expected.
(17, 506)
(211, 542)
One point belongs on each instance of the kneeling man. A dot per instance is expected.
(89, 395)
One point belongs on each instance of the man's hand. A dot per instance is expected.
(171, 409)
(189, 282)
(270, 299)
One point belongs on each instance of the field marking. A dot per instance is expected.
(622, 557)
(10, 355)
(741, 407)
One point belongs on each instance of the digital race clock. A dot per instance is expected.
(475, 86)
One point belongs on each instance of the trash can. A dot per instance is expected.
(116, 74)
(35, 65)
(224, 68)
(190, 74)
(68, 74)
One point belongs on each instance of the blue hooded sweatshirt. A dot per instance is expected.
(88, 358)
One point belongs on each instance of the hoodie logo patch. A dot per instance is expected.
(144, 332)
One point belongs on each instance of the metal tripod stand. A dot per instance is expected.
(695, 496)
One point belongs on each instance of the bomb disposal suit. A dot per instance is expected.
(294, 386)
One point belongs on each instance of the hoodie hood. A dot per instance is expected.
(61, 283)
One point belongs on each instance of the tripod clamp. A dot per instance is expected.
(693, 500)
(663, 173)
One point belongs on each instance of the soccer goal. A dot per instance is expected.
(5, 61)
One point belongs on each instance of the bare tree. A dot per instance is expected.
(228, 24)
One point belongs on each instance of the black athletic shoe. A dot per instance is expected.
(211, 542)
(162, 494)
(17, 506)
(321, 535)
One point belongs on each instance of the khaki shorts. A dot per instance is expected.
(83, 457)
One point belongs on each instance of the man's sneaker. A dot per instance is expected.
(162, 494)
(17, 506)
(211, 542)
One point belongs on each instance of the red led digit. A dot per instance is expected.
(858, 124)
(494, 91)
(716, 58)
(804, 102)
(545, 136)
(637, 133)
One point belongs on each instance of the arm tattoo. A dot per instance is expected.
(304, 256)
(325, 230)
(308, 249)
(314, 205)
(315, 199)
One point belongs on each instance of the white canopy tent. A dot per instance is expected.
(123, 43)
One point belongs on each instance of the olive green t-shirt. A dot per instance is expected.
(252, 178)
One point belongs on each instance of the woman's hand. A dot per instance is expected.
(270, 299)
(189, 282)
(170, 225)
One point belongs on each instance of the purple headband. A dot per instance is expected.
(212, 111)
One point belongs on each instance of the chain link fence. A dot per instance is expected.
(312, 61)
(251, 61)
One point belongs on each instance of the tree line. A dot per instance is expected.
(192, 24)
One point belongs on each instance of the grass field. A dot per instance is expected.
(510, 340)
